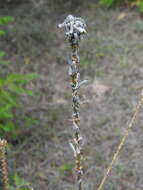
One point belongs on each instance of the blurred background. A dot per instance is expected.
(35, 98)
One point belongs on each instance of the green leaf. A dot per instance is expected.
(29, 92)
(5, 111)
(17, 89)
(8, 98)
(106, 2)
(2, 82)
(21, 79)
(140, 5)
(7, 127)
(15, 77)
(20, 182)
(2, 53)
(2, 32)
(66, 167)
(31, 76)
(6, 20)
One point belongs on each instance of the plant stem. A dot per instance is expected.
(77, 138)
(3, 162)
(75, 28)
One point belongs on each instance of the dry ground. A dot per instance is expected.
(111, 58)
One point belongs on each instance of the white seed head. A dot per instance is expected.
(74, 26)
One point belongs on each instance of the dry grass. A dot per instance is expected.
(114, 58)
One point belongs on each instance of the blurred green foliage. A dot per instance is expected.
(5, 20)
(109, 3)
(140, 5)
(11, 86)
(66, 167)
(19, 183)
(106, 2)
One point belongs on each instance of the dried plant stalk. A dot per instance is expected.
(75, 28)
(3, 163)
(122, 142)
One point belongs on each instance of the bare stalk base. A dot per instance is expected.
(3, 163)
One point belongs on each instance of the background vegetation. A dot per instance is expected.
(35, 108)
